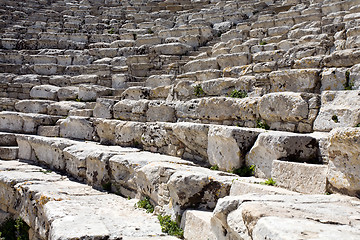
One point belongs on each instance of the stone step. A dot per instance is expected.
(17, 122)
(8, 152)
(248, 111)
(39, 195)
(131, 172)
(231, 218)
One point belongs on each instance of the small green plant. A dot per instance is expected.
(107, 186)
(150, 31)
(215, 168)
(46, 171)
(327, 193)
(262, 124)
(128, 198)
(198, 91)
(262, 43)
(348, 85)
(357, 125)
(245, 171)
(111, 31)
(77, 100)
(145, 203)
(170, 227)
(335, 118)
(14, 229)
(136, 144)
(270, 182)
(238, 94)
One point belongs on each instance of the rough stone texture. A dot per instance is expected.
(302, 217)
(333, 79)
(338, 109)
(196, 225)
(246, 185)
(91, 92)
(160, 111)
(104, 108)
(63, 108)
(300, 177)
(271, 146)
(68, 93)
(207, 108)
(48, 92)
(8, 152)
(172, 49)
(77, 128)
(23, 122)
(285, 80)
(33, 106)
(52, 205)
(227, 146)
(343, 153)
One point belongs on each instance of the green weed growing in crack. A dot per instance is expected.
(348, 85)
(145, 203)
(335, 118)
(238, 94)
(269, 182)
(170, 227)
(106, 186)
(245, 171)
(14, 230)
(214, 167)
(262, 124)
(198, 91)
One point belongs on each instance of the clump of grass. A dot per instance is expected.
(111, 31)
(170, 227)
(262, 43)
(215, 168)
(198, 91)
(150, 31)
(262, 124)
(348, 85)
(145, 203)
(107, 186)
(245, 171)
(14, 230)
(357, 125)
(238, 94)
(335, 118)
(269, 182)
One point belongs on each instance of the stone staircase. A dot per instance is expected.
(103, 100)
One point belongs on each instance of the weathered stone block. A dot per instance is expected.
(271, 146)
(304, 80)
(283, 107)
(160, 111)
(338, 109)
(104, 108)
(234, 59)
(227, 146)
(77, 128)
(300, 177)
(32, 106)
(343, 153)
(48, 92)
(91, 92)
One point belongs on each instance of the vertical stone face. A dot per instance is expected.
(227, 146)
(344, 161)
(338, 109)
(300, 177)
(271, 146)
